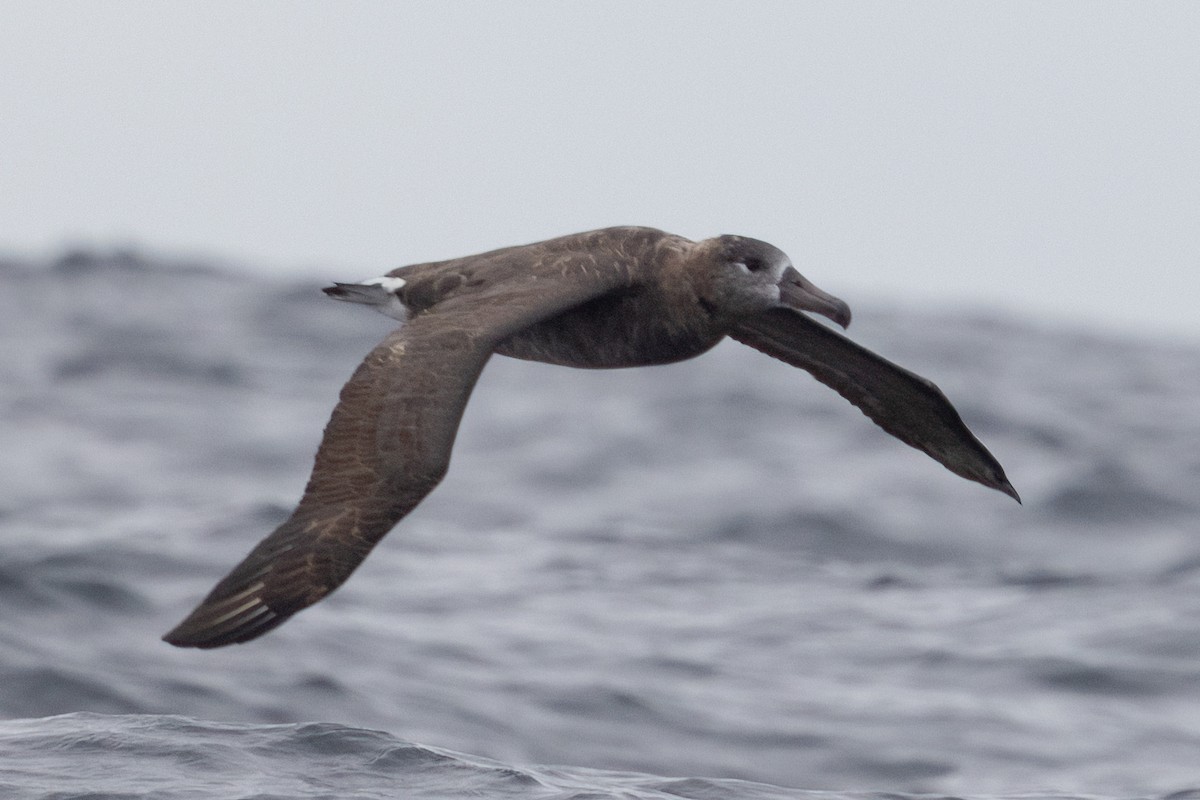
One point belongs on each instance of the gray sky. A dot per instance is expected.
(1042, 157)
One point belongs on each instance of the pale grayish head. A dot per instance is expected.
(751, 276)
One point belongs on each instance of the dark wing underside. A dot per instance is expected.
(904, 404)
(386, 446)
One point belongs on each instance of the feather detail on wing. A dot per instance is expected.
(387, 445)
(904, 404)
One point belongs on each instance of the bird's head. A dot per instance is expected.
(747, 276)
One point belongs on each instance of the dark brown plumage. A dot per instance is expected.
(617, 297)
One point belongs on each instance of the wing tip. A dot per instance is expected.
(182, 636)
(207, 638)
(215, 624)
(991, 475)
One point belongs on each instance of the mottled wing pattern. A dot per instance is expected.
(388, 442)
(904, 404)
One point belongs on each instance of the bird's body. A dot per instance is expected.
(616, 297)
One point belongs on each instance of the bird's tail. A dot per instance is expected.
(371, 294)
(381, 294)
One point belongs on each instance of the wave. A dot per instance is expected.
(141, 757)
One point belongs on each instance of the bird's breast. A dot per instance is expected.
(613, 332)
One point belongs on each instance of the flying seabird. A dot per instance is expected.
(616, 297)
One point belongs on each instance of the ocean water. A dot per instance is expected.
(709, 580)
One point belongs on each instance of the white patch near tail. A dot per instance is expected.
(387, 282)
(381, 294)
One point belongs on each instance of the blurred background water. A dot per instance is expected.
(717, 571)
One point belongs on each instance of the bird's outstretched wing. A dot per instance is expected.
(387, 444)
(904, 404)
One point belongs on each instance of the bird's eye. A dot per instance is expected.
(751, 265)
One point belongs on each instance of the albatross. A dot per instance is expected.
(616, 297)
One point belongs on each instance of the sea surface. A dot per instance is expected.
(710, 580)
